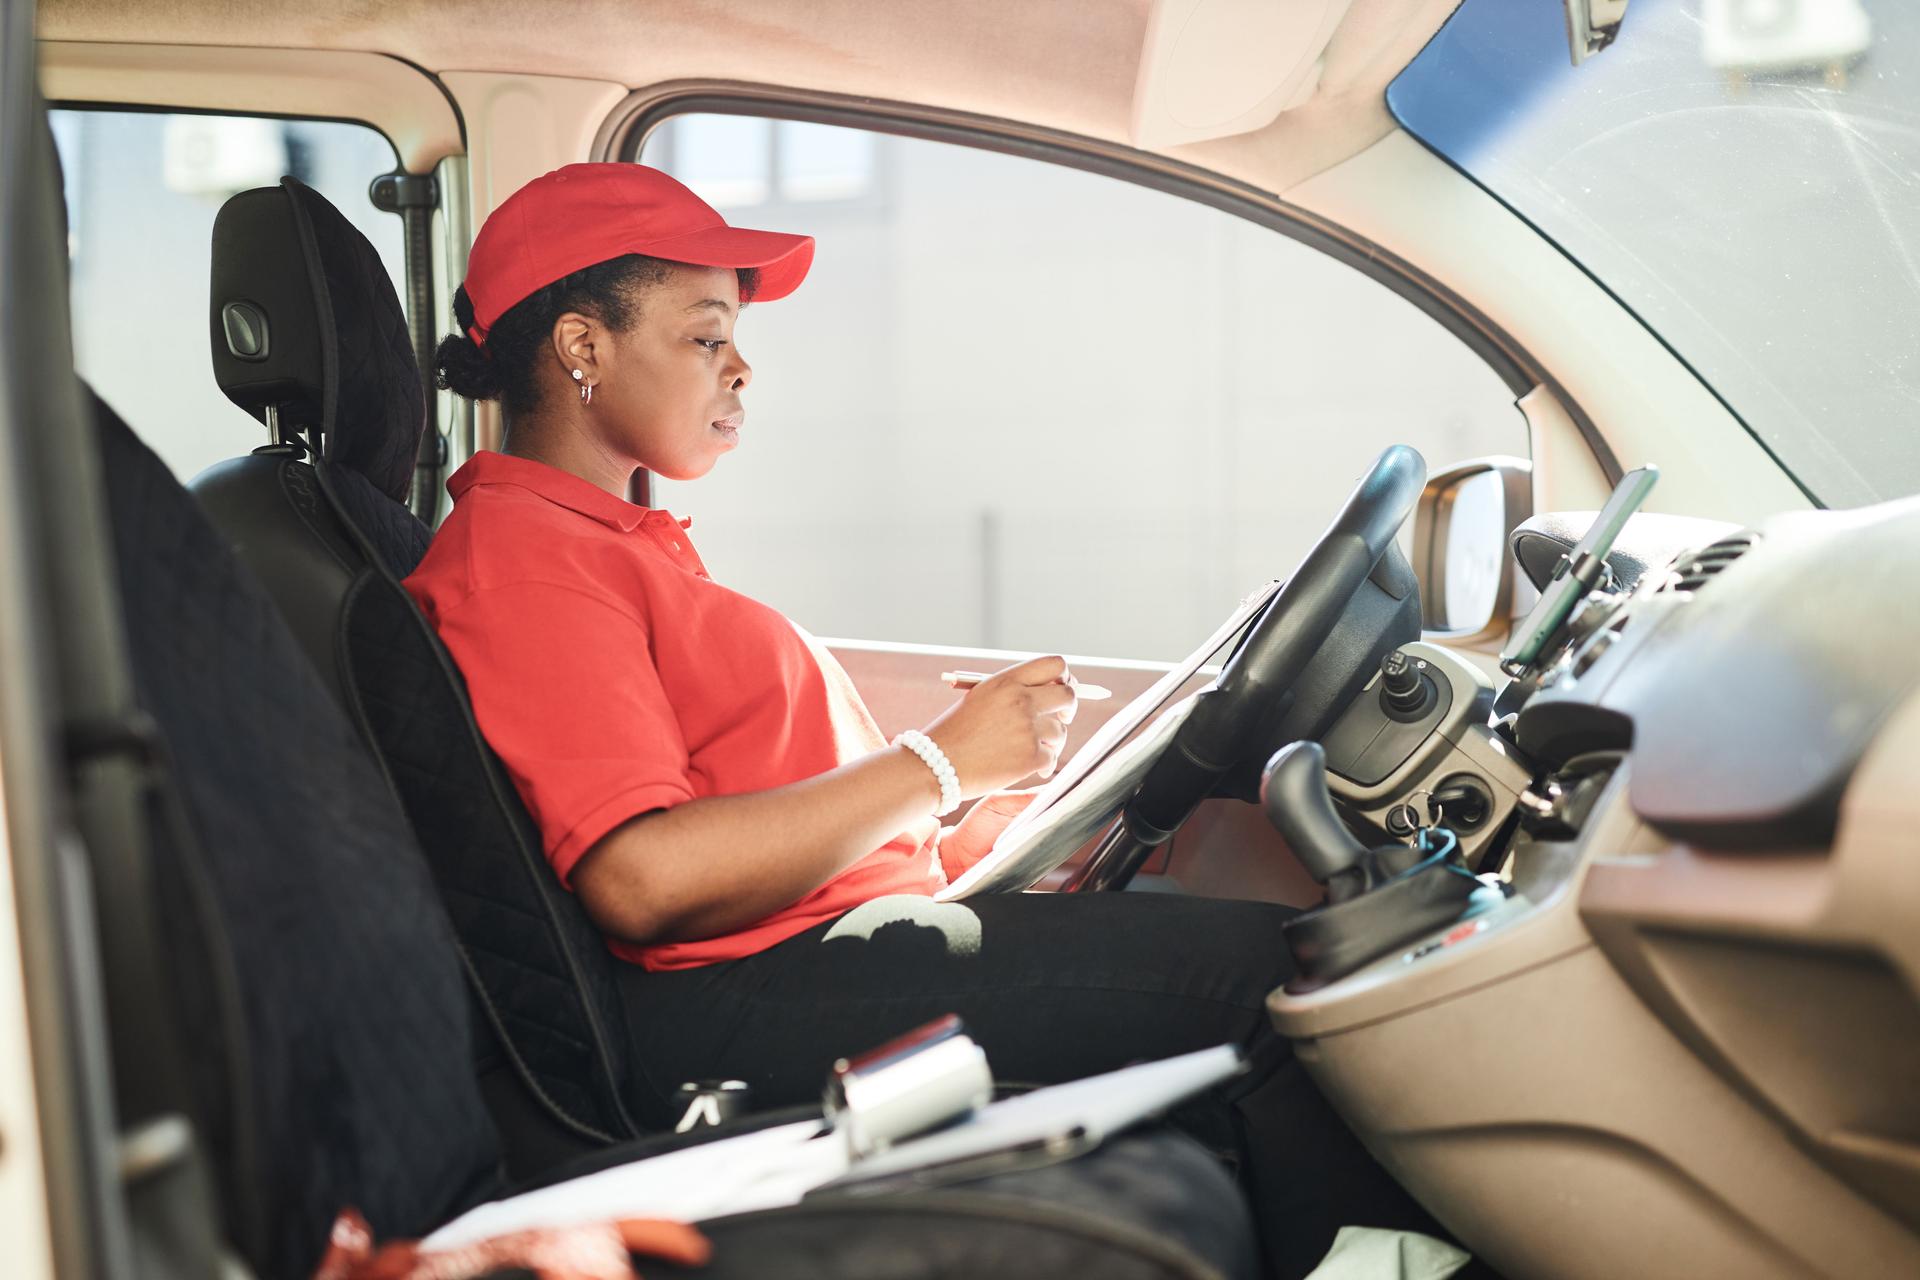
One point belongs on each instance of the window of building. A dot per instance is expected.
(142, 190)
(1027, 407)
(733, 162)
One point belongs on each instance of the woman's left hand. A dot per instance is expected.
(968, 841)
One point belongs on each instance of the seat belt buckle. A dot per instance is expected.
(711, 1103)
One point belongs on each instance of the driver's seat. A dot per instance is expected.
(309, 337)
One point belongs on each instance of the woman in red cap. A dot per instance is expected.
(706, 778)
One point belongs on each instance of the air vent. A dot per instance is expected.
(1691, 571)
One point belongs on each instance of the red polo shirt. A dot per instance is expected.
(614, 677)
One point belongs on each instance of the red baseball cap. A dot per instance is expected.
(580, 214)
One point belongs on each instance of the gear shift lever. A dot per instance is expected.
(1377, 899)
(1293, 791)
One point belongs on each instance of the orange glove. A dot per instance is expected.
(602, 1251)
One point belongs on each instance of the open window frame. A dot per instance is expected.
(625, 134)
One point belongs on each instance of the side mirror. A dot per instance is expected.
(1466, 515)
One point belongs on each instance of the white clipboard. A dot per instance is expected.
(777, 1167)
(1066, 814)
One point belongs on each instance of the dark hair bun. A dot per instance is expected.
(459, 365)
(463, 368)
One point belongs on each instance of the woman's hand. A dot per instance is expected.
(967, 841)
(1009, 725)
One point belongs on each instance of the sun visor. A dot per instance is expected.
(1212, 68)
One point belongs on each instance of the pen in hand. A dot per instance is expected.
(964, 680)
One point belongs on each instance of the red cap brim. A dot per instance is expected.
(781, 259)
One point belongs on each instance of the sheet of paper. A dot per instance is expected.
(776, 1167)
(1014, 842)
(763, 1170)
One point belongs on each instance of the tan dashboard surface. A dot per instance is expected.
(1673, 1062)
(1796, 975)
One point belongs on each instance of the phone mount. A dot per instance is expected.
(1579, 571)
(1378, 899)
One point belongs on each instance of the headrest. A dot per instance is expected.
(305, 319)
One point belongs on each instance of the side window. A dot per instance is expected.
(142, 191)
(1021, 406)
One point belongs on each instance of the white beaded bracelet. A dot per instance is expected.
(935, 759)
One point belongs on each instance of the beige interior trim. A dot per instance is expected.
(1564, 1134)
(398, 100)
(1212, 68)
(23, 1194)
(1730, 1068)
(1566, 475)
(1068, 67)
(1796, 976)
(1348, 110)
(1646, 404)
(522, 126)
(1068, 64)
(1520, 1086)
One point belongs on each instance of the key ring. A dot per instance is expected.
(1435, 812)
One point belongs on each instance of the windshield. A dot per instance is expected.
(1745, 175)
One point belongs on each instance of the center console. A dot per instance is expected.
(1483, 1048)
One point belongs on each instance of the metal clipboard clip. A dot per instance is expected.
(930, 1077)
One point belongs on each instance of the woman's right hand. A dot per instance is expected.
(1008, 726)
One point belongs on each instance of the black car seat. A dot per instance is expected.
(308, 336)
(294, 923)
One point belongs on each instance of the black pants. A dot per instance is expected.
(1054, 987)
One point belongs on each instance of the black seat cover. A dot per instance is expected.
(327, 346)
(307, 334)
(547, 973)
(329, 538)
(296, 908)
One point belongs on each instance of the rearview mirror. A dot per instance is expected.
(1460, 530)
(1592, 26)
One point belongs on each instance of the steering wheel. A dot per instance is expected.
(1230, 717)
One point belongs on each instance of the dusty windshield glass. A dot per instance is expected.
(1745, 175)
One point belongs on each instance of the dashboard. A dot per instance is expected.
(1686, 1040)
(1749, 679)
